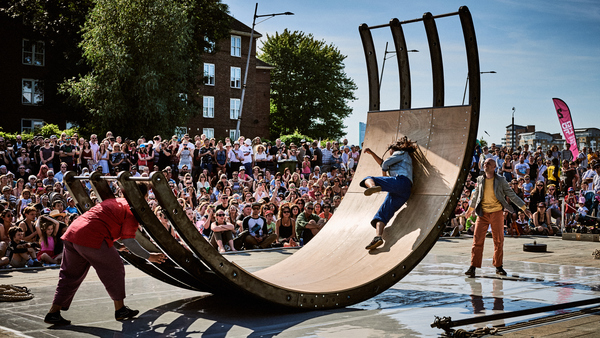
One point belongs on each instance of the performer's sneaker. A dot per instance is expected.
(370, 191)
(125, 313)
(56, 319)
(471, 271)
(500, 271)
(375, 243)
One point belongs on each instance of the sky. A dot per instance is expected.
(539, 50)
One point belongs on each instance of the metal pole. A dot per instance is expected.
(239, 119)
(383, 65)
(465, 93)
(513, 129)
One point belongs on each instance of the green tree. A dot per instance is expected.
(136, 52)
(309, 88)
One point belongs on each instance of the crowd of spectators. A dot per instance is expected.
(562, 191)
(240, 194)
(248, 194)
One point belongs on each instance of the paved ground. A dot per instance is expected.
(437, 287)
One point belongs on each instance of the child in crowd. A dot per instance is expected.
(527, 187)
(20, 253)
(523, 223)
(270, 222)
(48, 230)
(306, 167)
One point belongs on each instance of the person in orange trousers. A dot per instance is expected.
(488, 201)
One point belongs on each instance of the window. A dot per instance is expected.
(234, 108)
(32, 92)
(209, 106)
(209, 74)
(29, 125)
(236, 77)
(236, 45)
(233, 135)
(209, 132)
(34, 52)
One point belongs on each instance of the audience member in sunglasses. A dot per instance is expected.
(258, 236)
(308, 224)
(397, 181)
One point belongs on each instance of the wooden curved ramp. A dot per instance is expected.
(334, 269)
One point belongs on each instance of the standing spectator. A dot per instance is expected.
(221, 158)
(507, 168)
(327, 154)
(47, 154)
(566, 153)
(206, 154)
(488, 201)
(67, 151)
(94, 146)
(317, 155)
(521, 168)
(103, 155)
(248, 161)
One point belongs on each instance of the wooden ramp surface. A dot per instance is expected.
(336, 259)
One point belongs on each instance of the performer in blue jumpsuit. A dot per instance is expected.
(397, 181)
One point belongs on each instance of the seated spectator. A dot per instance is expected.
(8, 197)
(308, 224)
(222, 231)
(326, 213)
(523, 224)
(48, 231)
(285, 227)
(20, 252)
(541, 223)
(256, 226)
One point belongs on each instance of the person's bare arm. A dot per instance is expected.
(375, 156)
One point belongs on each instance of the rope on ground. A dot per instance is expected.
(461, 333)
(12, 293)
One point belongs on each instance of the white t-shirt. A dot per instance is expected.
(247, 152)
(521, 169)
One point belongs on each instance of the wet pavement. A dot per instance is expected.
(436, 287)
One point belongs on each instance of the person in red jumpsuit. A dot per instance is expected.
(90, 241)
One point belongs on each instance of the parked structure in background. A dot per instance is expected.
(29, 94)
(586, 137)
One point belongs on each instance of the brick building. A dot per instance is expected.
(30, 78)
(28, 92)
(222, 90)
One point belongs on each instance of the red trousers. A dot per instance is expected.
(75, 265)
(496, 220)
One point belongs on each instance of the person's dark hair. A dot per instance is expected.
(13, 231)
(404, 144)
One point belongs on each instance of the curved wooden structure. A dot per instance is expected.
(334, 269)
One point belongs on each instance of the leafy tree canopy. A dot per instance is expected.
(142, 57)
(309, 88)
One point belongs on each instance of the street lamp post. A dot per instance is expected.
(467, 83)
(239, 118)
(513, 130)
(385, 58)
